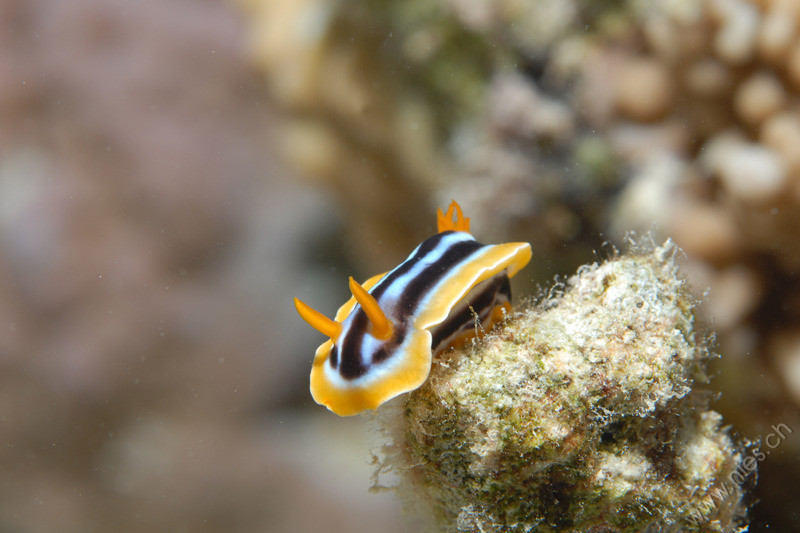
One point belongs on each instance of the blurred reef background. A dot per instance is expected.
(173, 172)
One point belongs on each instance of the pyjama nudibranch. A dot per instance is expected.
(382, 340)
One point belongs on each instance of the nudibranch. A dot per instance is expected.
(382, 340)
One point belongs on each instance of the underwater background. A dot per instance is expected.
(173, 172)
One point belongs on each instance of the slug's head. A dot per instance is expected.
(347, 376)
(380, 326)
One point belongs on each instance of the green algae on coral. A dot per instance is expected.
(579, 415)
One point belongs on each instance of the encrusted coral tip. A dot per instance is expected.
(318, 321)
(445, 221)
(381, 326)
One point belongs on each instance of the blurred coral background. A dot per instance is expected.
(173, 172)
(154, 374)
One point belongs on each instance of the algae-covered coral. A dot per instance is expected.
(580, 415)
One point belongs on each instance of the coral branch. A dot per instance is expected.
(580, 415)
